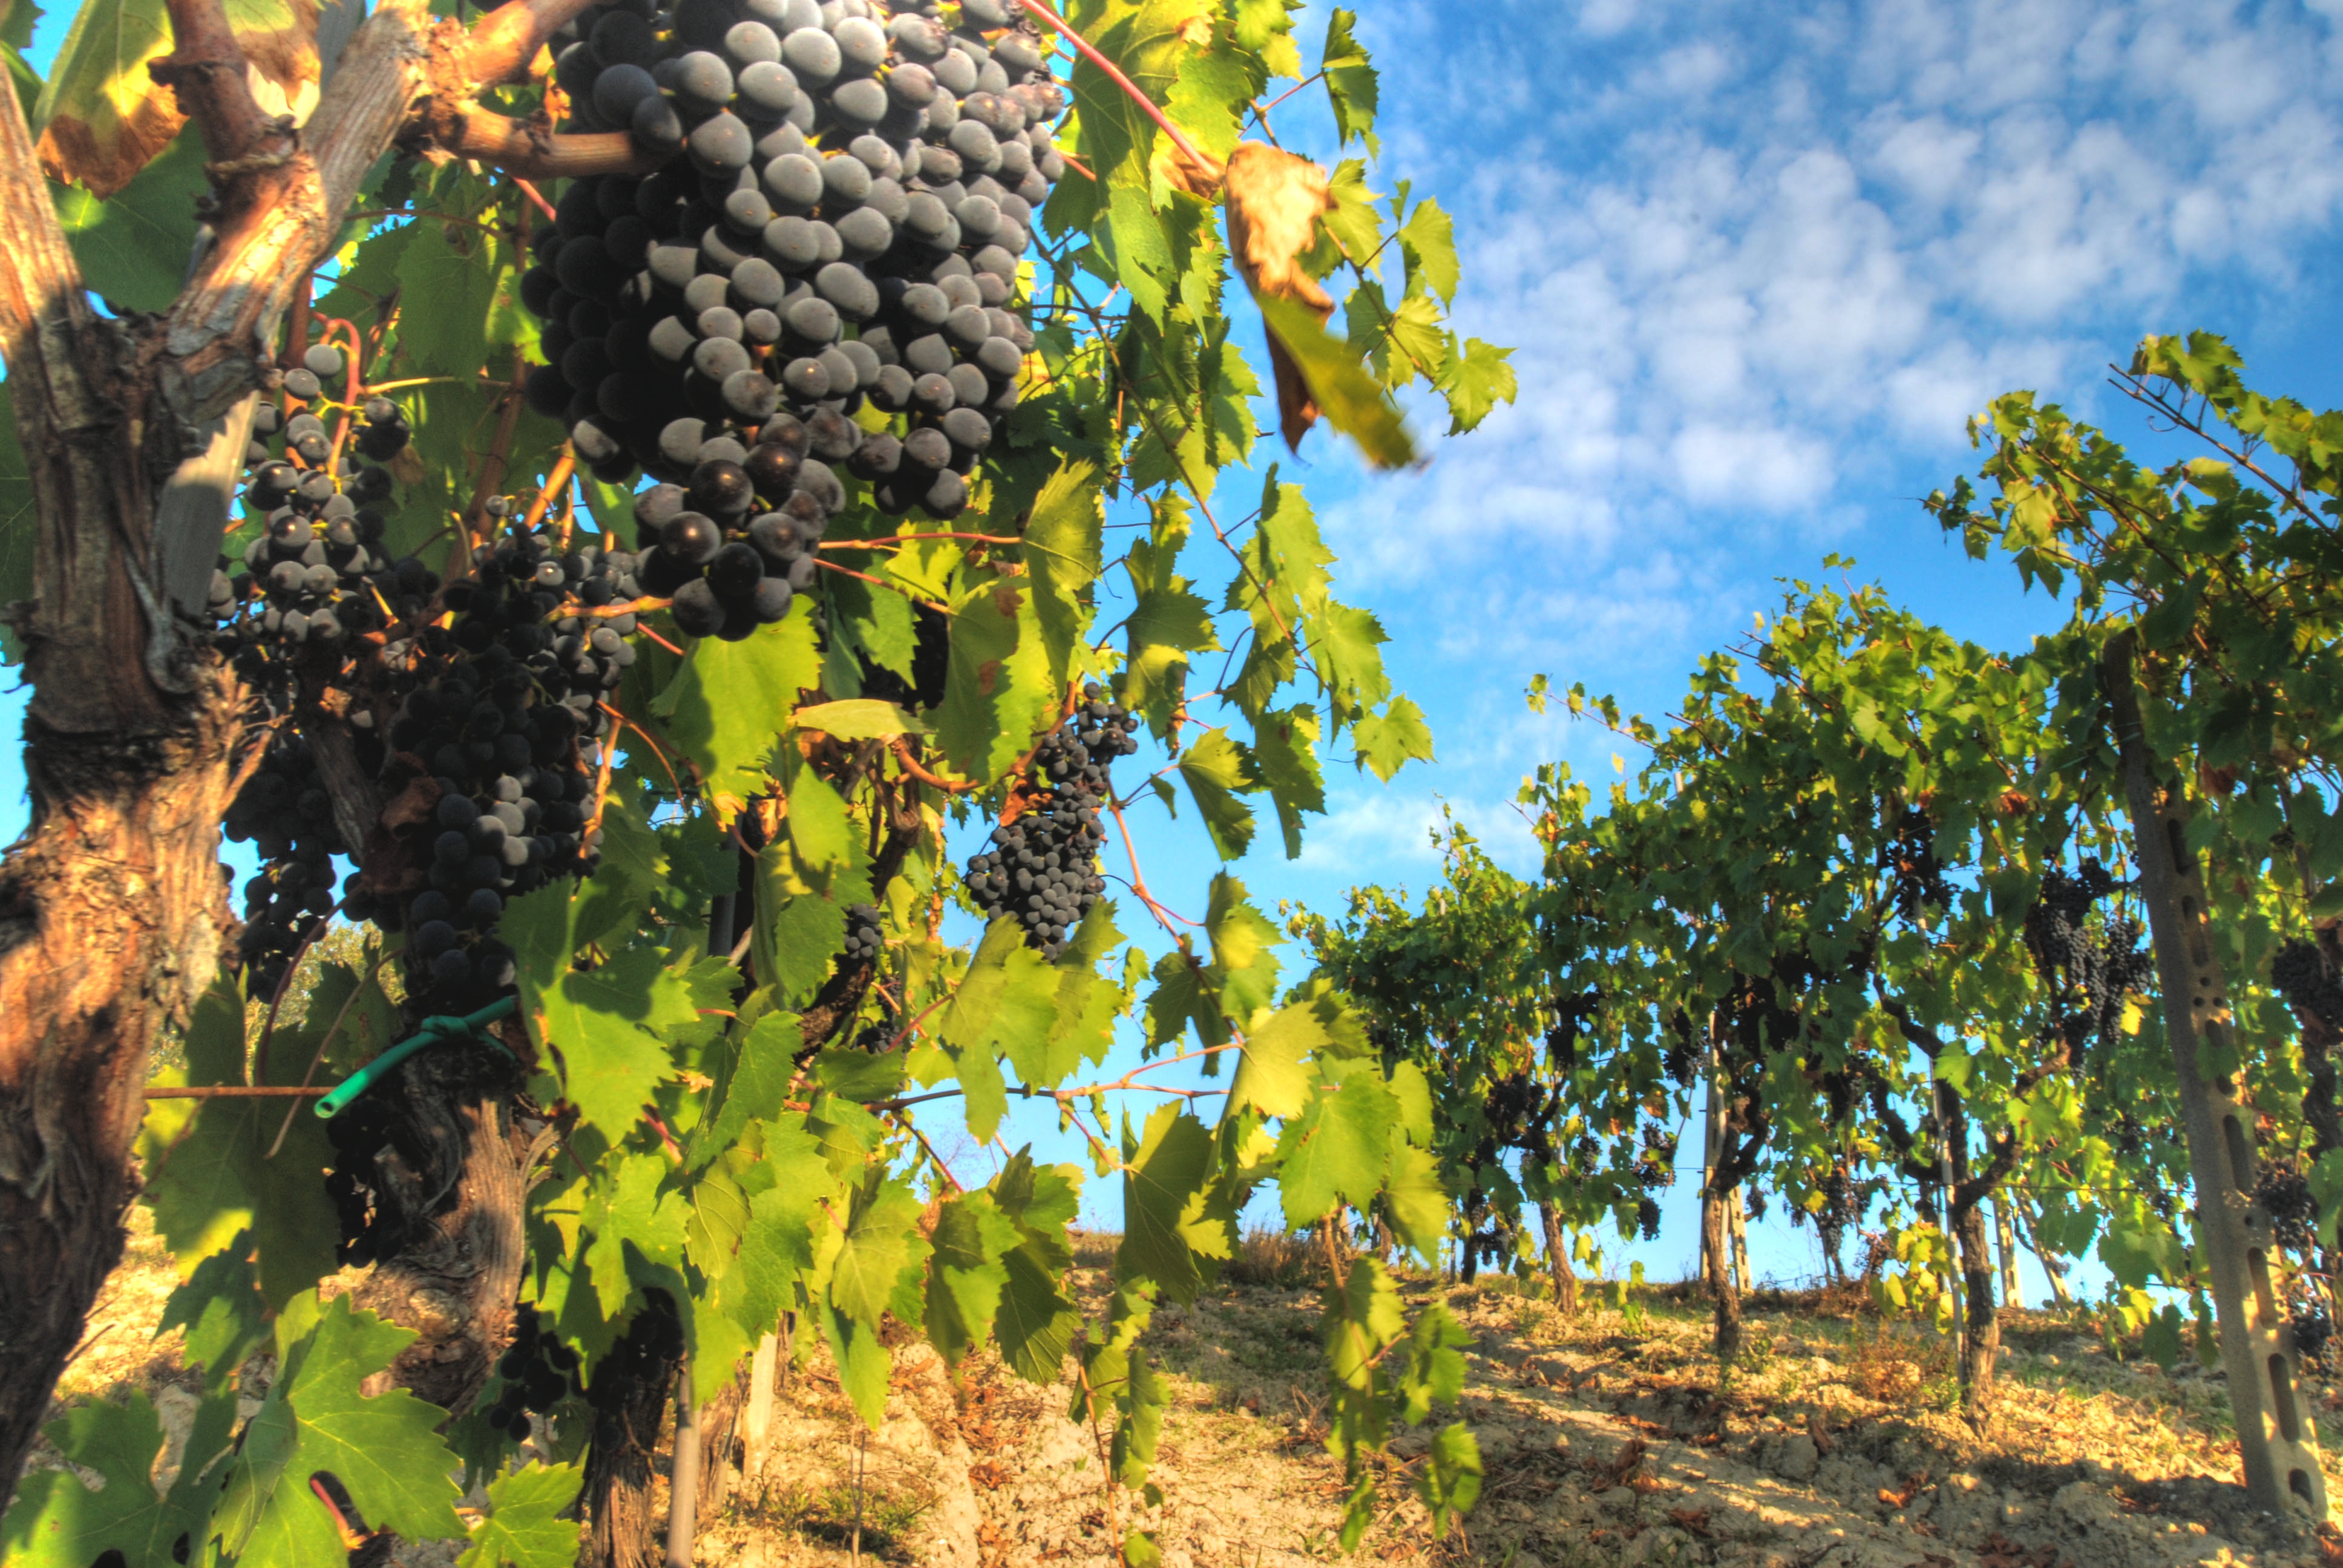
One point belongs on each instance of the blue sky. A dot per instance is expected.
(1760, 263)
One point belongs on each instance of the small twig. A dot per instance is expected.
(530, 191)
(237, 1091)
(555, 483)
(1130, 88)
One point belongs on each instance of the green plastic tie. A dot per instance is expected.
(431, 1032)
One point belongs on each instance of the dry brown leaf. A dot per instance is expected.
(1275, 200)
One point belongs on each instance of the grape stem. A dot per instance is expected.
(531, 192)
(1164, 917)
(626, 723)
(902, 751)
(1114, 74)
(879, 582)
(555, 483)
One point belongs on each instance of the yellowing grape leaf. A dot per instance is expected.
(102, 116)
(1274, 199)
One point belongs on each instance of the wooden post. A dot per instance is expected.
(756, 1418)
(1713, 1134)
(2276, 1440)
(2052, 1268)
(2013, 1292)
(1737, 1218)
(1945, 1212)
(683, 1473)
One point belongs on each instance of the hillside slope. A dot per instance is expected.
(1606, 1436)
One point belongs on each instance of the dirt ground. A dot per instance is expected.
(1607, 1437)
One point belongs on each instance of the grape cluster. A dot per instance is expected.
(639, 1363)
(2090, 973)
(1910, 860)
(1840, 1211)
(2284, 1194)
(315, 573)
(283, 811)
(865, 939)
(1042, 866)
(1571, 1014)
(838, 224)
(734, 544)
(2314, 1330)
(538, 1371)
(2303, 976)
(362, 1133)
(1647, 1218)
(504, 711)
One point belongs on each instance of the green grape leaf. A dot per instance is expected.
(1167, 625)
(1352, 220)
(1135, 249)
(1182, 997)
(1428, 241)
(1388, 741)
(998, 692)
(1273, 1073)
(625, 1206)
(1345, 643)
(730, 701)
(524, 1528)
(1087, 1004)
(1263, 28)
(1475, 377)
(1035, 1324)
(608, 906)
(1415, 1200)
(55, 1522)
(1346, 395)
(605, 1025)
(865, 1077)
(1285, 757)
(132, 247)
(1244, 967)
(1351, 80)
(879, 620)
(1215, 767)
(857, 718)
(448, 278)
(1336, 1150)
(777, 1249)
(717, 1215)
(222, 1310)
(819, 826)
(1145, 40)
(1164, 1173)
(1450, 1482)
(215, 1179)
(967, 1272)
(880, 1244)
(384, 1449)
(1008, 1001)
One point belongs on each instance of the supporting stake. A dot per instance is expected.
(2276, 1440)
(683, 1473)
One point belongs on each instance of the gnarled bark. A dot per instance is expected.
(112, 915)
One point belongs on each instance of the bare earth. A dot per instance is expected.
(1605, 1442)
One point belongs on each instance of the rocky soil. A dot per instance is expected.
(1608, 1438)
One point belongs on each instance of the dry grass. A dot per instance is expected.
(1273, 1259)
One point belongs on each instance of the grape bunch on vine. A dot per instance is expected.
(603, 496)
